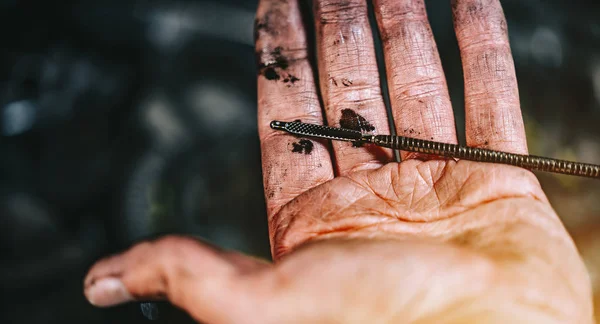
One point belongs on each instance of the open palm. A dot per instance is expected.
(432, 242)
(357, 237)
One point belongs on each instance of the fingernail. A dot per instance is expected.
(107, 292)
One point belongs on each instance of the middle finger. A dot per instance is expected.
(349, 79)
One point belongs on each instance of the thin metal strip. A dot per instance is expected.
(529, 162)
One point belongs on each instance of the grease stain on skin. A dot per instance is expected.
(272, 59)
(270, 74)
(351, 120)
(412, 131)
(278, 59)
(333, 81)
(291, 79)
(272, 65)
(303, 146)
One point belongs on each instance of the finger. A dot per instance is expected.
(417, 84)
(493, 115)
(287, 91)
(349, 80)
(198, 278)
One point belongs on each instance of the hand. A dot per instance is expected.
(356, 237)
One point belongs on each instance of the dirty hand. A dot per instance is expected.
(356, 237)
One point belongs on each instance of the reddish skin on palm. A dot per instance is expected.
(360, 239)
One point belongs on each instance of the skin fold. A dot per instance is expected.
(355, 236)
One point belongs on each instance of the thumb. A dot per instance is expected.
(212, 285)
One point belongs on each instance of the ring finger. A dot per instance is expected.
(418, 91)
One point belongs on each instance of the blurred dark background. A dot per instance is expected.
(121, 120)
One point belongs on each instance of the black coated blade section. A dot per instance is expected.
(313, 130)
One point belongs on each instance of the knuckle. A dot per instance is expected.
(346, 74)
(412, 34)
(342, 79)
(283, 65)
(401, 10)
(470, 11)
(357, 94)
(482, 41)
(492, 98)
(372, 100)
(272, 56)
(341, 11)
(421, 88)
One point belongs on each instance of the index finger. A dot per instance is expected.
(287, 91)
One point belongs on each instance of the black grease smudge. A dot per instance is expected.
(351, 120)
(346, 82)
(291, 79)
(270, 74)
(303, 146)
(279, 60)
(271, 63)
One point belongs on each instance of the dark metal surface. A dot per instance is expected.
(404, 143)
(321, 131)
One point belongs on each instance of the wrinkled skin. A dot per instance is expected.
(356, 237)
